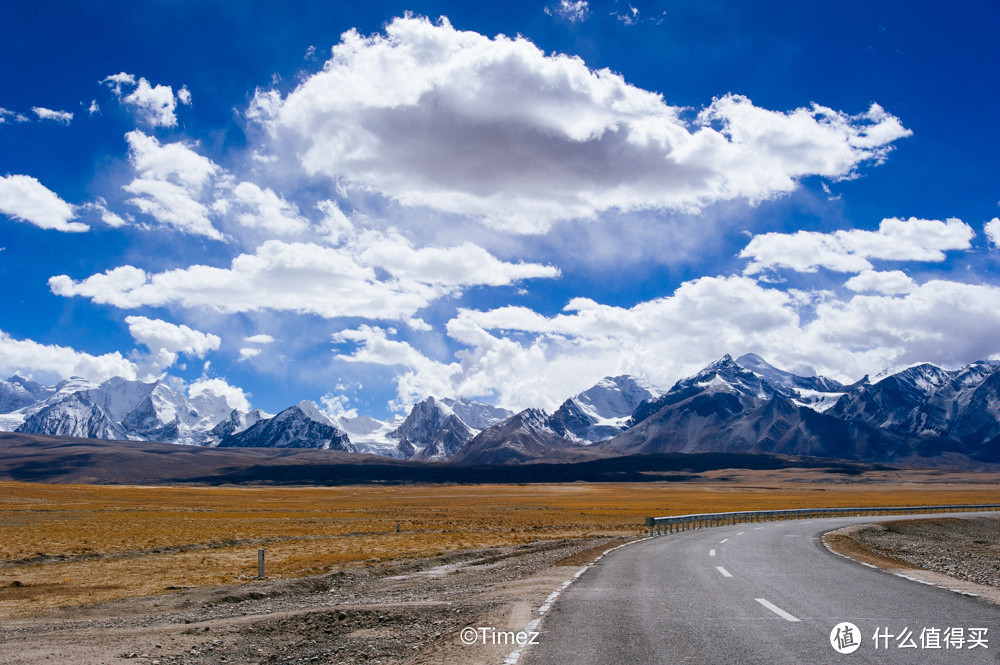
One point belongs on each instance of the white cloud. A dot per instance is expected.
(171, 179)
(235, 396)
(63, 117)
(945, 322)
(175, 162)
(154, 105)
(630, 17)
(93, 109)
(849, 251)
(524, 358)
(7, 115)
(335, 225)
(462, 265)
(305, 278)
(262, 208)
(494, 128)
(166, 341)
(247, 353)
(259, 338)
(992, 231)
(573, 11)
(23, 197)
(30, 358)
(891, 282)
(337, 406)
(100, 206)
(297, 277)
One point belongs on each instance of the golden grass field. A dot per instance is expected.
(75, 544)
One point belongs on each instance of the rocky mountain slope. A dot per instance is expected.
(922, 412)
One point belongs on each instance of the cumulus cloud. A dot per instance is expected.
(573, 11)
(169, 184)
(522, 358)
(258, 207)
(849, 251)
(234, 395)
(249, 352)
(23, 198)
(463, 265)
(62, 117)
(33, 359)
(306, 278)
(153, 105)
(496, 129)
(166, 341)
(259, 338)
(889, 282)
(992, 231)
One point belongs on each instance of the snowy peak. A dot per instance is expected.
(75, 416)
(779, 378)
(477, 415)
(299, 426)
(432, 431)
(602, 411)
(18, 393)
(616, 396)
(309, 411)
(369, 435)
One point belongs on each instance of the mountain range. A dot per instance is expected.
(920, 414)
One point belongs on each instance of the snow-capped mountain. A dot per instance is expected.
(299, 426)
(432, 431)
(74, 415)
(523, 437)
(369, 435)
(18, 392)
(602, 411)
(962, 404)
(234, 424)
(120, 409)
(477, 415)
(746, 405)
(817, 392)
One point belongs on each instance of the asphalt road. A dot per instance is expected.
(753, 593)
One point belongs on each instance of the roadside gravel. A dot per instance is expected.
(966, 548)
(393, 612)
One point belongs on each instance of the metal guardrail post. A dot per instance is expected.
(674, 523)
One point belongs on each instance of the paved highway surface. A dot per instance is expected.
(754, 593)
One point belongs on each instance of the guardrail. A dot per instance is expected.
(662, 525)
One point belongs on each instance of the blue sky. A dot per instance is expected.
(365, 205)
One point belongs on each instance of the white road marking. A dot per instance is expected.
(726, 573)
(711, 553)
(757, 528)
(741, 533)
(777, 610)
(723, 540)
(515, 655)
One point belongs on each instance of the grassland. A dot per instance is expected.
(75, 544)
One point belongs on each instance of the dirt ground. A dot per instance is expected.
(960, 553)
(385, 613)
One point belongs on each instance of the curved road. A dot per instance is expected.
(752, 593)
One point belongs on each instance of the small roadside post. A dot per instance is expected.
(260, 564)
(651, 523)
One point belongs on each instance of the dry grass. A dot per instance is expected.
(73, 544)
